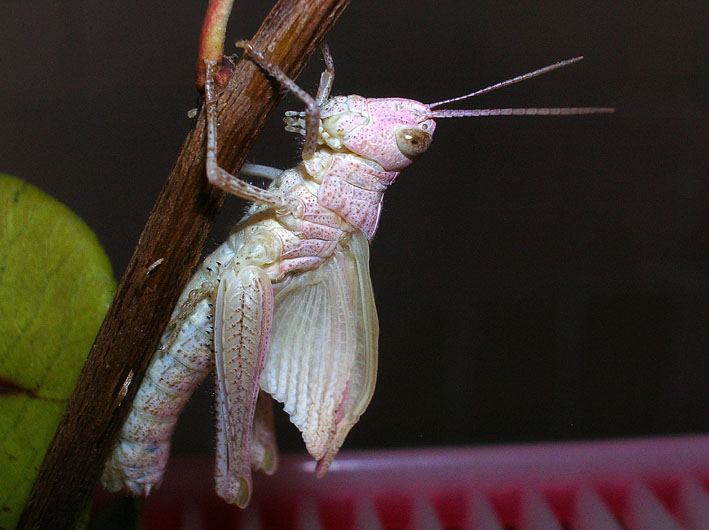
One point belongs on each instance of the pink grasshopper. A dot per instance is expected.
(284, 308)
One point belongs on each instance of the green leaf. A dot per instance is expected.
(56, 284)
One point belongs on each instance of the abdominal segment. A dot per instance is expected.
(185, 357)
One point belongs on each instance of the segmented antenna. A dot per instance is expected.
(544, 111)
(560, 111)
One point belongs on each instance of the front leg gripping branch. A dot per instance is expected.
(312, 109)
(216, 175)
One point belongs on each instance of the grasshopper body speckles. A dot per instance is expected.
(284, 308)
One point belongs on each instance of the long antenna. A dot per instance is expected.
(559, 111)
(509, 82)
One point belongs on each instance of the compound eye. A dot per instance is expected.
(412, 142)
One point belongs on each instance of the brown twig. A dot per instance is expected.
(175, 232)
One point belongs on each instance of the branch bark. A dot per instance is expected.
(175, 232)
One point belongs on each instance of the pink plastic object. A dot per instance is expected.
(649, 484)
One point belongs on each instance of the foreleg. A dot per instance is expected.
(218, 176)
(312, 108)
(257, 170)
(327, 77)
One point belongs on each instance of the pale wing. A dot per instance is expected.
(322, 360)
(364, 374)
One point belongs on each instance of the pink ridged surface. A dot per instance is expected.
(637, 484)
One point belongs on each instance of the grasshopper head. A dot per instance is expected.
(392, 132)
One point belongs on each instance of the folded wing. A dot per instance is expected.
(322, 360)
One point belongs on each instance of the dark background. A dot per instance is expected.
(536, 278)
